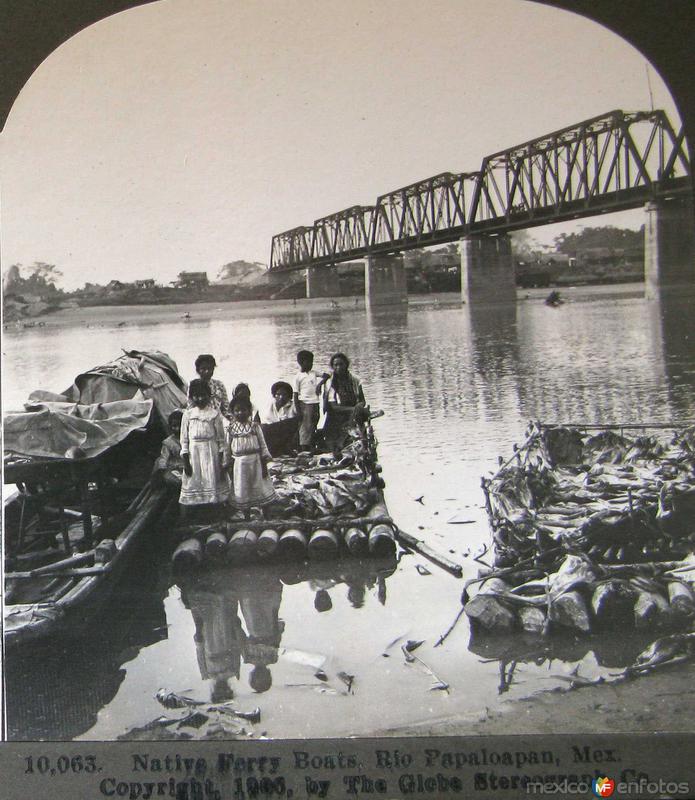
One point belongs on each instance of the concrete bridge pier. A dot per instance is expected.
(487, 269)
(385, 280)
(322, 282)
(669, 247)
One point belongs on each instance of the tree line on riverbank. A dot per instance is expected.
(593, 255)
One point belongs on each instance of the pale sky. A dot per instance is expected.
(184, 134)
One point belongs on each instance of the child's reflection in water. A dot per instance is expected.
(219, 602)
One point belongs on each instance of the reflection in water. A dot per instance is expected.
(215, 601)
(260, 606)
(387, 322)
(237, 614)
(358, 582)
(591, 362)
(676, 317)
(495, 360)
(609, 651)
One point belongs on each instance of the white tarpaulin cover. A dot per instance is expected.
(50, 429)
(102, 407)
(154, 373)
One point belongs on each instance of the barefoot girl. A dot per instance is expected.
(204, 481)
(251, 485)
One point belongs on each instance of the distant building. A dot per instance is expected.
(115, 286)
(192, 280)
(444, 260)
(147, 283)
(598, 255)
(93, 289)
(559, 259)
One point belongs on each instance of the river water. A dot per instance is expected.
(458, 386)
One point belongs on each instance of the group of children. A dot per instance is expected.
(217, 463)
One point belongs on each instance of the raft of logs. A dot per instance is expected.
(582, 597)
(325, 507)
(239, 544)
(592, 528)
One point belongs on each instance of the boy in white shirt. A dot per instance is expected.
(307, 387)
(281, 406)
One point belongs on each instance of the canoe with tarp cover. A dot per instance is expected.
(81, 463)
(593, 526)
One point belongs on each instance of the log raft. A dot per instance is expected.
(591, 530)
(254, 543)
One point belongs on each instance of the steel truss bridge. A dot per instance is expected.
(609, 163)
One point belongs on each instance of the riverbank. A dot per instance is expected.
(190, 313)
(660, 702)
(185, 313)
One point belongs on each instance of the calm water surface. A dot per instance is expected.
(458, 386)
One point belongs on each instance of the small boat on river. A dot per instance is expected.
(82, 501)
(592, 528)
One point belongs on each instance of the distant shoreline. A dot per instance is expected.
(123, 316)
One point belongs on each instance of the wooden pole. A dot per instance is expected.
(140, 497)
(432, 555)
(86, 513)
(305, 524)
(56, 566)
(67, 572)
(64, 530)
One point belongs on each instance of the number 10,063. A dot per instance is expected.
(63, 764)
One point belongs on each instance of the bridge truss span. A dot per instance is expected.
(608, 163)
(292, 248)
(345, 234)
(424, 212)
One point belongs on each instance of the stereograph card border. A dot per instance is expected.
(416, 767)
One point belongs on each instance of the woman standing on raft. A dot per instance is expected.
(343, 400)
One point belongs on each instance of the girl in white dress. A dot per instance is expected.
(251, 484)
(204, 480)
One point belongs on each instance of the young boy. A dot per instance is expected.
(281, 423)
(281, 407)
(169, 466)
(307, 386)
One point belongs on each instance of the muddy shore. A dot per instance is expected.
(663, 701)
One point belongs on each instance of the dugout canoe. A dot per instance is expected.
(46, 595)
(77, 499)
